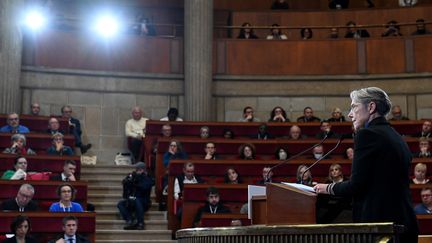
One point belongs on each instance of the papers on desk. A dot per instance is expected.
(300, 187)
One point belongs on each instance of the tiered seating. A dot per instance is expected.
(36, 141)
(37, 123)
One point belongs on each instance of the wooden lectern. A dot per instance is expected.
(284, 204)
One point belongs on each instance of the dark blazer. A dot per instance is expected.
(77, 127)
(379, 183)
(79, 239)
(28, 239)
(12, 205)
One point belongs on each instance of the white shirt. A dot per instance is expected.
(407, 3)
(134, 128)
(177, 186)
(166, 119)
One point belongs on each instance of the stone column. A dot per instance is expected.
(10, 55)
(198, 41)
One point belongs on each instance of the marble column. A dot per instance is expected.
(10, 55)
(198, 41)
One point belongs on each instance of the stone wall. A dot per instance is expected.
(103, 100)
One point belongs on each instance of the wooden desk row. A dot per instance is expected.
(46, 226)
(37, 123)
(36, 141)
(41, 163)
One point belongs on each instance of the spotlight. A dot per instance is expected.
(107, 26)
(35, 20)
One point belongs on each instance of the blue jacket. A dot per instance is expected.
(9, 129)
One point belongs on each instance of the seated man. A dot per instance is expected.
(136, 197)
(295, 133)
(70, 227)
(212, 205)
(13, 125)
(318, 152)
(172, 115)
(135, 131)
(248, 115)
(75, 128)
(308, 116)
(210, 151)
(187, 177)
(421, 28)
(68, 173)
(34, 109)
(23, 201)
(267, 176)
(325, 128)
(58, 147)
(204, 132)
(19, 172)
(426, 130)
(424, 147)
(54, 126)
(426, 206)
(397, 114)
(263, 133)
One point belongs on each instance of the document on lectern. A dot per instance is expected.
(300, 187)
(254, 191)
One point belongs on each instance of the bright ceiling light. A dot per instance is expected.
(107, 26)
(35, 20)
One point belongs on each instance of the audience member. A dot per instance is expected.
(335, 174)
(334, 33)
(295, 133)
(248, 115)
(143, 27)
(35, 109)
(137, 187)
(166, 131)
(18, 146)
(325, 128)
(420, 171)
(246, 32)
(306, 33)
(279, 4)
(58, 147)
(281, 153)
(349, 153)
(426, 130)
(392, 29)
(421, 28)
(307, 176)
(212, 205)
(232, 176)
(23, 201)
(187, 177)
(336, 115)
(75, 128)
(228, 134)
(13, 125)
(54, 126)
(426, 206)
(19, 171)
(66, 193)
(175, 151)
(338, 4)
(308, 116)
(262, 134)
(276, 33)
(210, 151)
(70, 227)
(407, 3)
(68, 173)
(354, 32)
(396, 112)
(172, 115)
(247, 151)
(278, 114)
(135, 131)
(204, 132)
(20, 228)
(424, 147)
(267, 176)
(318, 152)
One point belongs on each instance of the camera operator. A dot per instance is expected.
(136, 197)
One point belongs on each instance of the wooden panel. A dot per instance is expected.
(223, 219)
(422, 53)
(291, 57)
(385, 56)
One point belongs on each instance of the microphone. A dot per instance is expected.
(342, 137)
(296, 155)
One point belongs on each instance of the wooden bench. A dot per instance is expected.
(37, 123)
(46, 226)
(223, 219)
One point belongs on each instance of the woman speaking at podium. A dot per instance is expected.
(379, 184)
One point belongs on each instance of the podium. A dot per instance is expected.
(284, 205)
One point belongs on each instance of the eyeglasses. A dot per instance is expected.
(210, 147)
(13, 119)
(173, 145)
(426, 195)
(66, 191)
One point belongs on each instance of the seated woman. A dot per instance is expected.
(392, 29)
(67, 193)
(246, 32)
(228, 134)
(232, 176)
(276, 34)
(336, 115)
(18, 146)
(19, 171)
(204, 132)
(281, 153)
(306, 33)
(278, 114)
(58, 147)
(175, 151)
(420, 174)
(307, 176)
(20, 228)
(247, 151)
(424, 147)
(349, 153)
(335, 174)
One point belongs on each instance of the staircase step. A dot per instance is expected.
(112, 205)
(103, 168)
(115, 215)
(99, 197)
(105, 189)
(112, 175)
(121, 235)
(119, 224)
(137, 241)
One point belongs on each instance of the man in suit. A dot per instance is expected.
(426, 130)
(70, 227)
(23, 201)
(379, 183)
(68, 173)
(75, 128)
